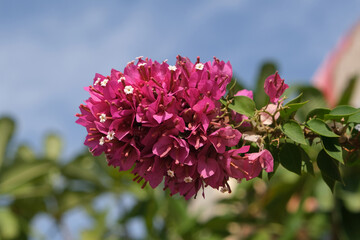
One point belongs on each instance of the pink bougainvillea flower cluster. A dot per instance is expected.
(162, 121)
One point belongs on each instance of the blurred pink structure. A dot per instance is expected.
(339, 67)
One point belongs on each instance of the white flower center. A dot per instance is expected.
(101, 141)
(121, 79)
(141, 64)
(102, 117)
(97, 81)
(172, 68)
(188, 179)
(104, 82)
(199, 66)
(110, 135)
(170, 173)
(128, 89)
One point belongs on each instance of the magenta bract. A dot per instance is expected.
(274, 87)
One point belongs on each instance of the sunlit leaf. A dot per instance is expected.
(333, 148)
(290, 109)
(293, 131)
(340, 112)
(243, 105)
(320, 127)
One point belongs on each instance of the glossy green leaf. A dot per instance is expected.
(7, 127)
(318, 113)
(290, 109)
(260, 98)
(329, 169)
(333, 148)
(348, 92)
(355, 118)
(290, 158)
(320, 127)
(340, 112)
(293, 131)
(243, 105)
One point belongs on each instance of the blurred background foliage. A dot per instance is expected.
(285, 207)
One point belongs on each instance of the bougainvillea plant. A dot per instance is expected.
(184, 125)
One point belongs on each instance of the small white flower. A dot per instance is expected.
(121, 79)
(132, 62)
(199, 66)
(172, 68)
(357, 127)
(101, 141)
(139, 57)
(170, 173)
(188, 179)
(141, 64)
(251, 137)
(128, 89)
(97, 81)
(102, 117)
(165, 60)
(110, 135)
(104, 82)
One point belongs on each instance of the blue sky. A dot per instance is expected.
(50, 50)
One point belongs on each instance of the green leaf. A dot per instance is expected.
(329, 169)
(332, 148)
(295, 100)
(316, 100)
(293, 130)
(289, 110)
(290, 158)
(340, 112)
(309, 165)
(317, 113)
(348, 92)
(21, 174)
(260, 97)
(355, 118)
(243, 105)
(9, 225)
(7, 127)
(329, 181)
(53, 147)
(320, 127)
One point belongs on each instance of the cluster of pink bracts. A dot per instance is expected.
(164, 121)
